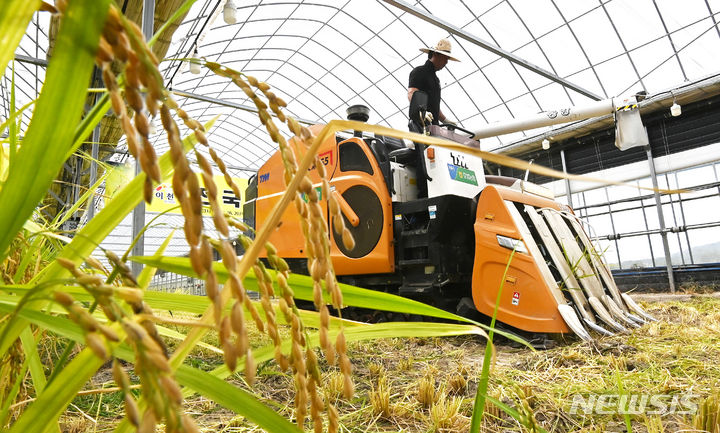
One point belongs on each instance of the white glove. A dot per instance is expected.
(428, 117)
(449, 122)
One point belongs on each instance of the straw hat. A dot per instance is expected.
(443, 47)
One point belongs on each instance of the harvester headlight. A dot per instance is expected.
(512, 244)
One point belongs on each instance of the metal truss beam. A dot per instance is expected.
(458, 32)
(31, 60)
(210, 99)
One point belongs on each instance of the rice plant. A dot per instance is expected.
(105, 315)
(380, 398)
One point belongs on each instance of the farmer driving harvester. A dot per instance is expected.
(424, 88)
(424, 97)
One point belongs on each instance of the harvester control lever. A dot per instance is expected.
(453, 127)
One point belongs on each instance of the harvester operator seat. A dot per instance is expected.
(418, 108)
(404, 156)
(397, 151)
(391, 143)
(380, 151)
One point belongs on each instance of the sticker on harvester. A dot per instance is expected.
(398, 217)
(432, 210)
(461, 174)
(319, 194)
(516, 298)
(325, 157)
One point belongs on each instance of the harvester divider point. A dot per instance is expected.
(636, 308)
(597, 328)
(573, 322)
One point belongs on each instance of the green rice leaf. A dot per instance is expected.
(15, 15)
(185, 303)
(12, 118)
(211, 384)
(95, 231)
(56, 324)
(302, 286)
(481, 394)
(352, 296)
(63, 389)
(36, 368)
(58, 109)
(36, 229)
(85, 128)
(362, 333)
(409, 329)
(148, 273)
(41, 415)
(14, 125)
(29, 254)
(85, 198)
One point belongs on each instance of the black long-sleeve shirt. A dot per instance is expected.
(424, 78)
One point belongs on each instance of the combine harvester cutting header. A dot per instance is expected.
(429, 225)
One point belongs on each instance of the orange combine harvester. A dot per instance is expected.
(429, 225)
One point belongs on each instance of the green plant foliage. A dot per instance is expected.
(14, 18)
(302, 286)
(206, 384)
(481, 394)
(58, 110)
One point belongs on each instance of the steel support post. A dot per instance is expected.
(682, 215)
(568, 191)
(612, 225)
(95, 154)
(647, 229)
(148, 22)
(73, 194)
(93, 170)
(661, 217)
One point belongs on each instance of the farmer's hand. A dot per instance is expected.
(428, 117)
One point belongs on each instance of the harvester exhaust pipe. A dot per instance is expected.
(358, 113)
(547, 118)
(629, 129)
